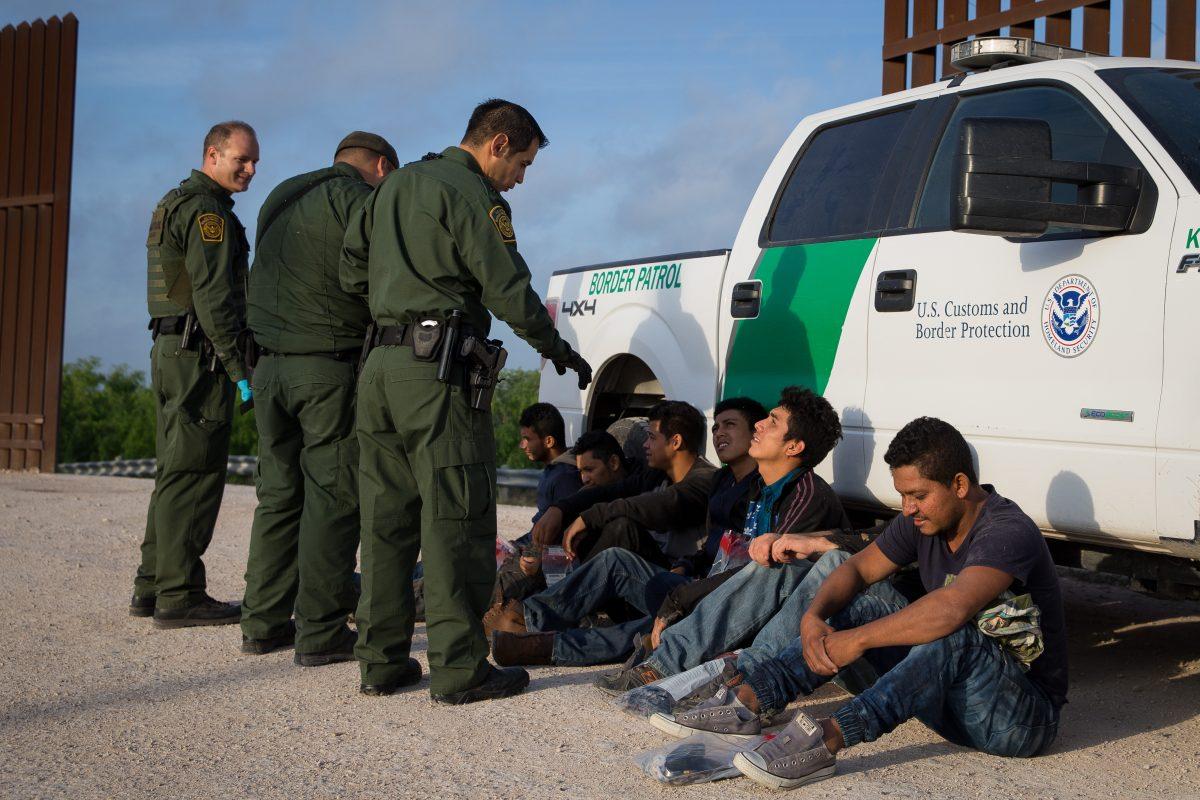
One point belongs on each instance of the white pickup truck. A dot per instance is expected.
(1016, 251)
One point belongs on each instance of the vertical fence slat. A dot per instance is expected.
(1058, 29)
(1024, 29)
(954, 12)
(1181, 29)
(982, 9)
(1096, 32)
(1135, 28)
(64, 137)
(924, 62)
(8, 45)
(895, 29)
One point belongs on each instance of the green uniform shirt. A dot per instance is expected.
(296, 302)
(197, 258)
(436, 236)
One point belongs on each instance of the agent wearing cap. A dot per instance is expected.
(309, 332)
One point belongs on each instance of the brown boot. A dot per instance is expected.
(513, 649)
(508, 617)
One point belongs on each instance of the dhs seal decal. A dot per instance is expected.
(1071, 316)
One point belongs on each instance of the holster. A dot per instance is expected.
(484, 359)
(369, 342)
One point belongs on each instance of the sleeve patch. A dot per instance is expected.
(503, 224)
(212, 227)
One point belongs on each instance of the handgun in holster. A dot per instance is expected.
(367, 346)
(484, 360)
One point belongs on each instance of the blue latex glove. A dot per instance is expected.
(244, 387)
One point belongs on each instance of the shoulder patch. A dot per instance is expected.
(503, 224)
(212, 227)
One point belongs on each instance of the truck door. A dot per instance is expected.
(1046, 353)
(797, 297)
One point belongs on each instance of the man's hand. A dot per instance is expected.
(576, 362)
(568, 543)
(814, 631)
(548, 528)
(656, 632)
(792, 546)
(760, 548)
(530, 565)
(843, 648)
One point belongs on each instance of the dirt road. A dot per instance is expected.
(96, 704)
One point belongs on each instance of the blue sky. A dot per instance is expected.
(662, 116)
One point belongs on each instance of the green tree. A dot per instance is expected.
(518, 390)
(104, 416)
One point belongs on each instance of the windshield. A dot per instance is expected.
(1168, 102)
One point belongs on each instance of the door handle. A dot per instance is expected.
(747, 296)
(896, 290)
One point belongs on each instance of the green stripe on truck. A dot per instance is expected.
(806, 292)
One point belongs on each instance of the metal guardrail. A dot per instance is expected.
(244, 467)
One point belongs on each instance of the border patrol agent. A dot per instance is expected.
(308, 334)
(196, 292)
(436, 250)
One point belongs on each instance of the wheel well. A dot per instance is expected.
(625, 387)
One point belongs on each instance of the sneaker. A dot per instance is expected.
(722, 714)
(342, 649)
(142, 605)
(205, 611)
(410, 676)
(260, 647)
(795, 756)
(498, 683)
(621, 681)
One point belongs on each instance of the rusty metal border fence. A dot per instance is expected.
(37, 112)
(911, 52)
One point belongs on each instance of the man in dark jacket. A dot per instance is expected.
(544, 440)
(309, 333)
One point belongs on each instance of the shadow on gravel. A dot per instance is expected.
(1129, 665)
(584, 677)
(80, 700)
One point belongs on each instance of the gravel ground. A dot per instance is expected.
(96, 704)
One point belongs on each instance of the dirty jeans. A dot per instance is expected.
(735, 611)
(964, 686)
(613, 574)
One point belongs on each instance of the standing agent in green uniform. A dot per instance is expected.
(435, 247)
(309, 335)
(196, 292)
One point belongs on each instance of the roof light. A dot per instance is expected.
(985, 52)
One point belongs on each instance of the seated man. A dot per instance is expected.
(657, 512)
(620, 575)
(953, 659)
(599, 459)
(544, 440)
(795, 507)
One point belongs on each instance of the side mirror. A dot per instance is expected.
(1004, 175)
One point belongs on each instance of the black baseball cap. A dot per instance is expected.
(371, 141)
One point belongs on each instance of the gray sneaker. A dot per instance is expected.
(795, 756)
(722, 714)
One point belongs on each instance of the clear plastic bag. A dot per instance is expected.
(663, 695)
(700, 758)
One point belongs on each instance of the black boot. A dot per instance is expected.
(205, 611)
(142, 605)
(260, 647)
(410, 676)
(342, 649)
(498, 683)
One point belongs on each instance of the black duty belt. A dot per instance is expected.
(337, 355)
(167, 325)
(393, 335)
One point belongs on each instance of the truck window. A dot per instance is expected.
(1077, 133)
(1168, 102)
(830, 191)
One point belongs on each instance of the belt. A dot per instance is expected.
(337, 355)
(393, 335)
(167, 325)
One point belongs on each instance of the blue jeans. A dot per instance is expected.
(613, 574)
(736, 611)
(964, 686)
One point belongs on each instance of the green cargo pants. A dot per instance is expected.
(305, 534)
(194, 409)
(427, 479)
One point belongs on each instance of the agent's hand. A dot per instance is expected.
(576, 362)
(548, 529)
(568, 543)
(790, 547)
(814, 632)
(244, 387)
(656, 632)
(760, 548)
